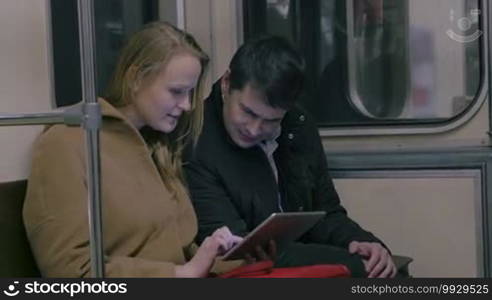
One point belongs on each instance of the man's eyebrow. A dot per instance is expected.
(250, 111)
(273, 120)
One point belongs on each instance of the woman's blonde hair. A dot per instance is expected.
(145, 55)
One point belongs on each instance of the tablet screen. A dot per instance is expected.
(283, 228)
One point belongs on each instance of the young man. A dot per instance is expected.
(259, 153)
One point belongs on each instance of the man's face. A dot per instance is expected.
(248, 118)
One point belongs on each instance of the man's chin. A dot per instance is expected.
(244, 144)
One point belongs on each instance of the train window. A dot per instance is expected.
(115, 20)
(379, 62)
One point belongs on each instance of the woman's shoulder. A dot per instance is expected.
(60, 137)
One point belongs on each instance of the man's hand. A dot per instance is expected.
(377, 260)
(261, 254)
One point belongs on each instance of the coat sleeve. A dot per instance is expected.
(213, 205)
(336, 228)
(219, 266)
(55, 215)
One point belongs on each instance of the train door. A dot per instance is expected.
(399, 91)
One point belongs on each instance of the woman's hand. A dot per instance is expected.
(218, 243)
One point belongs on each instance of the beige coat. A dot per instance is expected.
(146, 232)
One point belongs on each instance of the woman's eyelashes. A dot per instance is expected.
(178, 92)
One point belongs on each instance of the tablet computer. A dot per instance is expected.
(283, 228)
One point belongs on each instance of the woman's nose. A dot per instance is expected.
(185, 103)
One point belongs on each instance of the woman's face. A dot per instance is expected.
(160, 102)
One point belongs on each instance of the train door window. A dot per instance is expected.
(380, 62)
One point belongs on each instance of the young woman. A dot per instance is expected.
(151, 110)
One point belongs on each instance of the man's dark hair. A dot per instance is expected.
(271, 65)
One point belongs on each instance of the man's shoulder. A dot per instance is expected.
(212, 143)
(298, 117)
(211, 134)
(299, 127)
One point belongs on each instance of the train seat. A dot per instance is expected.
(16, 259)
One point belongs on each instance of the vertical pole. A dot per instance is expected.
(487, 249)
(92, 123)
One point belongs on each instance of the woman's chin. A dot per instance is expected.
(167, 127)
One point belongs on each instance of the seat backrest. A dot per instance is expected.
(16, 259)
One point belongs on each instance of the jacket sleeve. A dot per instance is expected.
(213, 205)
(55, 215)
(336, 228)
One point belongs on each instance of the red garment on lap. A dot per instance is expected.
(265, 269)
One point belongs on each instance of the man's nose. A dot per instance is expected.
(254, 127)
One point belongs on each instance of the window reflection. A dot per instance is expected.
(279, 19)
(380, 61)
(378, 57)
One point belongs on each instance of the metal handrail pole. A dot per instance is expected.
(31, 119)
(70, 115)
(88, 114)
(91, 124)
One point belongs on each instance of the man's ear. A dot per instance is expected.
(225, 82)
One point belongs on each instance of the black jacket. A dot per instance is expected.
(236, 187)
